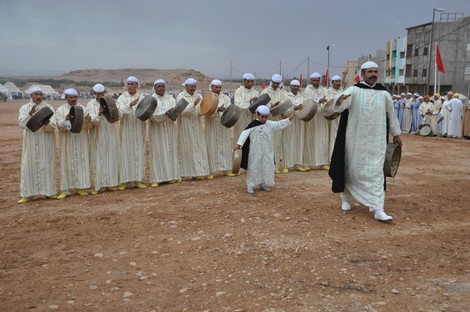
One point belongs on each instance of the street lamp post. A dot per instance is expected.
(280, 66)
(328, 65)
(430, 48)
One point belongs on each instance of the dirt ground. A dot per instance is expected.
(209, 246)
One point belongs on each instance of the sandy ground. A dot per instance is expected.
(209, 246)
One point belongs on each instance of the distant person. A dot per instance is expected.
(445, 113)
(425, 110)
(436, 111)
(218, 137)
(192, 148)
(104, 145)
(416, 117)
(466, 119)
(316, 130)
(74, 149)
(360, 147)
(164, 161)
(401, 111)
(258, 154)
(132, 132)
(333, 125)
(243, 97)
(455, 117)
(408, 114)
(38, 171)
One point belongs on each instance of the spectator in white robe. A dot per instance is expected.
(358, 160)
(293, 136)
(164, 161)
(425, 110)
(132, 132)
(38, 169)
(436, 111)
(332, 91)
(104, 145)
(243, 97)
(192, 148)
(74, 149)
(218, 137)
(401, 104)
(455, 117)
(277, 95)
(258, 154)
(445, 113)
(316, 130)
(408, 113)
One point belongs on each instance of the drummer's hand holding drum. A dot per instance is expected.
(33, 110)
(397, 140)
(134, 102)
(237, 147)
(253, 99)
(292, 116)
(341, 99)
(221, 109)
(101, 111)
(197, 101)
(298, 107)
(322, 100)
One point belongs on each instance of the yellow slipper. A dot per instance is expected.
(82, 193)
(325, 167)
(93, 192)
(23, 200)
(122, 187)
(307, 168)
(62, 195)
(199, 178)
(285, 170)
(154, 184)
(300, 168)
(210, 177)
(277, 171)
(140, 185)
(229, 174)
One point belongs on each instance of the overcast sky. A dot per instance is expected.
(51, 37)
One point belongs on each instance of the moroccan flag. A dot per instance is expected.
(325, 78)
(263, 85)
(357, 78)
(439, 64)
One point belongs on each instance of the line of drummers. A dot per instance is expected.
(191, 136)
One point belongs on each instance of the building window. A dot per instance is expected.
(409, 49)
(408, 70)
(402, 54)
(401, 72)
(425, 51)
(424, 73)
(416, 52)
(415, 73)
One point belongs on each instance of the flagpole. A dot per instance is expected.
(435, 68)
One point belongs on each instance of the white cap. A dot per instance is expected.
(295, 82)
(276, 78)
(98, 88)
(262, 110)
(35, 90)
(402, 94)
(189, 81)
(369, 64)
(71, 91)
(248, 76)
(336, 77)
(416, 94)
(133, 79)
(159, 81)
(315, 75)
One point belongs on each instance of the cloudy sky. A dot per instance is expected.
(51, 37)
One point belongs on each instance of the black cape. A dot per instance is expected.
(246, 146)
(337, 165)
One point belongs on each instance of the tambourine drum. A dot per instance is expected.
(146, 107)
(76, 114)
(175, 112)
(263, 99)
(39, 118)
(236, 161)
(330, 116)
(392, 160)
(282, 107)
(308, 110)
(111, 112)
(230, 116)
(209, 103)
(425, 130)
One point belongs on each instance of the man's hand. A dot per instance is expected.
(253, 99)
(237, 147)
(292, 116)
(397, 140)
(33, 110)
(298, 107)
(134, 102)
(341, 99)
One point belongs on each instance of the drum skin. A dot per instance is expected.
(392, 160)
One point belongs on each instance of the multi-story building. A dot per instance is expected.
(394, 65)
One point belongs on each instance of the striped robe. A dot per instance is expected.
(316, 131)
(293, 136)
(242, 99)
(164, 162)
(219, 146)
(104, 147)
(74, 152)
(332, 124)
(132, 134)
(192, 147)
(38, 168)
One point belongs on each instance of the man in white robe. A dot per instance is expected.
(436, 111)
(293, 136)
(332, 92)
(425, 110)
(445, 113)
(359, 156)
(192, 148)
(218, 140)
(258, 154)
(408, 113)
(316, 130)
(74, 151)
(132, 132)
(103, 144)
(455, 117)
(164, 161)
(243, 97)
(38, 173)
(277, 95)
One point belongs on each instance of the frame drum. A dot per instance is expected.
(308, 110)
(209, 103)
(76, 118)
(111, 112)
(425, 130)
(230, 116)
(39, 118)
(282, 107)
(146, 107)
(263, 99)
(392, 160)
(236, 161)
(175, 112)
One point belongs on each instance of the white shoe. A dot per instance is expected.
(250, 190)
(345, 206)
(382, 216)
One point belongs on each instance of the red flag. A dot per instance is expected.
(325, 78)
(357, 78)
(263, 85)
(300, 79)
(439, 64)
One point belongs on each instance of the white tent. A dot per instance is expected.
(4, 93)
(13, 89)
(49, 92)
